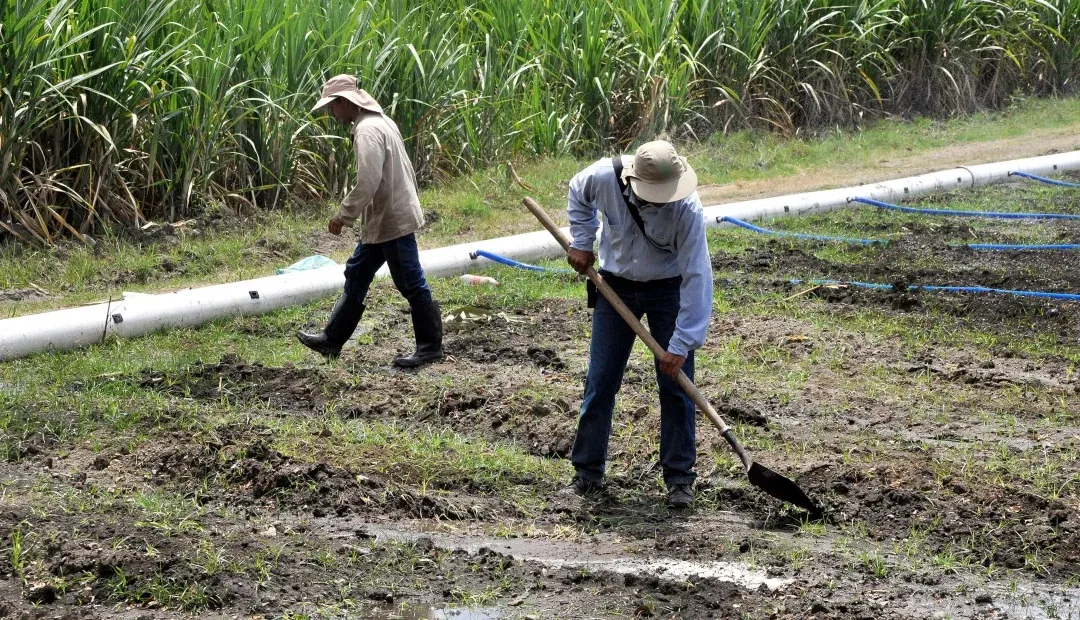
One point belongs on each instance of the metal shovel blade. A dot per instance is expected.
(781, 488)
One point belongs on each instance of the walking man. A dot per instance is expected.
(654, 254)
(385, 203)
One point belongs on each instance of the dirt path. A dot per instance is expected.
(877, 168)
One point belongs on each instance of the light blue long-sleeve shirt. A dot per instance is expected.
(676, 226)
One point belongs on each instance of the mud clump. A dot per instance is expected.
(546, 358)
(21, 294)
(741, 411)
(1001, 526)
(254, 473)
(287, 388)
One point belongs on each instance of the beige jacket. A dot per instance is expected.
(384, 199)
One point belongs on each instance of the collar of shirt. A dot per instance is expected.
(637, 201)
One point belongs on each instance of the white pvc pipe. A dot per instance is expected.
(138, 315)
(891, 191)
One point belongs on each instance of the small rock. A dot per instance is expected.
(939, 615)
(269, 532)
(541, 409)
(381, 595)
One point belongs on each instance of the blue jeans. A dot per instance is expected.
(402, 257)
(609, 351)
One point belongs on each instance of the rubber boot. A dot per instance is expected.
(427, 327)
(339, 328)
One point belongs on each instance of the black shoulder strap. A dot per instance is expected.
(616, 163)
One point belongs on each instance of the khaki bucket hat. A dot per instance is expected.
(659, 175)
(344, 86)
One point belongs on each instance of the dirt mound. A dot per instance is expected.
(541, 427)
(21, 294)
(1002, 527)
(288, 388)
(486, 349)
(254, 473)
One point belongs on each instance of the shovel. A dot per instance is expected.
(760, 476)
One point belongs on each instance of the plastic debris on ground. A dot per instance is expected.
(306, 264)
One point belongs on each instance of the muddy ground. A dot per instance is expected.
(947, 468)
(921, 257)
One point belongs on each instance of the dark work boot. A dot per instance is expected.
(680, 496)
(576, 495)
(343, 321)
(427, 327)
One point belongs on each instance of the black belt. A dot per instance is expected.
(636, 286)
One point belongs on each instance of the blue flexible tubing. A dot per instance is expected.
(1007, 216)
(973, 246)
(1007, 246)
(953, 289)
(778, 233)
(1034, 177)
(513, 263)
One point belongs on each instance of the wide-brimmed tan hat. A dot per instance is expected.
(659, 175)
(344, 86)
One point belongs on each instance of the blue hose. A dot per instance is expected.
(513, 263)
(1007, 216)
(1022, 248)
(766, 231)
(973, 246)
(1044, 179)
(952, 289)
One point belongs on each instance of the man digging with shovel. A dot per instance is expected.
(653, 253)
(385, 202)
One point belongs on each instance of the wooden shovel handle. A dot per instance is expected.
(631, 320)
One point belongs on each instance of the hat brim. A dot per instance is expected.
(663, 193)
(321, 103)
(360, 99)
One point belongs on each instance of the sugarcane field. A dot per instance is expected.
(530, 309)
